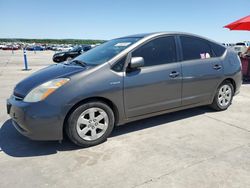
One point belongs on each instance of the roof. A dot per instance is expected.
(140, 35)
(143, 35)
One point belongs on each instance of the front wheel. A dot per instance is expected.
(90, 124)
(223, 97)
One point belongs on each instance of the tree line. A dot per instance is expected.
(53, 41)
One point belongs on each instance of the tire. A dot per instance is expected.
(223, 97)
(90, 124)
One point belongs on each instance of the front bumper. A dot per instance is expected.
(37, 121)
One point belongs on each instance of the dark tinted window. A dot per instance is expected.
(217, 49)
(118, 67)
(76, 49)
(158, 51)
(86, 48)
(195, 48)
(240, 44)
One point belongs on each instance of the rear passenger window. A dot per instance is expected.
(218, 49)
(157, 52)
(195, 48)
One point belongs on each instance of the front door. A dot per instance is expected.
(157, 85)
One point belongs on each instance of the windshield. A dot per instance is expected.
(76, 48)
(106, 51)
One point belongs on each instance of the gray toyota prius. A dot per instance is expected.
(123, 80)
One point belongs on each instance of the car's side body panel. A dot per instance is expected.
(199, 80)
(152, 89)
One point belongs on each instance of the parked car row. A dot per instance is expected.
(10, 47)
(55, 47)
(42, 47)
(228, 44)
(35, 48)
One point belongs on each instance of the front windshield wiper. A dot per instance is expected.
(76, 61)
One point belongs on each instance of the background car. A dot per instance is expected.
(241, 47)
(1, 46)
(10, 47)
(71, 54)
(35, 48)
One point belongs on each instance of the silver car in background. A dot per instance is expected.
(124, 80)
(241, 47)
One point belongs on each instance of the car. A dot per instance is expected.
(2, 46)
(63, 48)
(123, 80)
(10, 47)
(241, 47)
(71, 54)
(34, 48)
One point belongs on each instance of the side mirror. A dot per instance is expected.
(136, 62)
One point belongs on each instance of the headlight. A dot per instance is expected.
(44, 90)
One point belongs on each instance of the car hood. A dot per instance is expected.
(44, 75)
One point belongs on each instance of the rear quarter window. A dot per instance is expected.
(217, 49)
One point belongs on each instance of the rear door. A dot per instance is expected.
(157, 85)
(201, 70)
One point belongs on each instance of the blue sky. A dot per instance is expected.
(107, 19)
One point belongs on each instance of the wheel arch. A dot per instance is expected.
(231, 81)
(228, 79)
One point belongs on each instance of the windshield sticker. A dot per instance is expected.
(123, 44)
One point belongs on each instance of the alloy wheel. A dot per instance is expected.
(92, 124)
(225, 95)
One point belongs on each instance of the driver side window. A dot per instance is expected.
(158, 51)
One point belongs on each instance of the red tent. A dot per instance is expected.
(242, 24)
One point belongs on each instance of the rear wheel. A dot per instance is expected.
(223, 97)
(90, 124)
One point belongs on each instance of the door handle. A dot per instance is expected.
(174, 74)
(217, 67)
